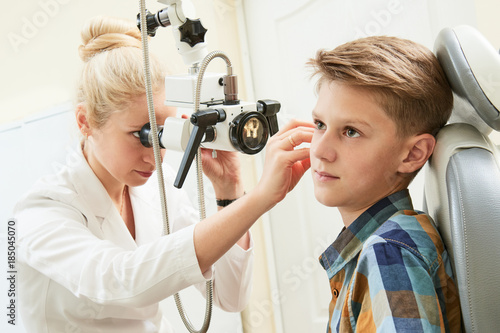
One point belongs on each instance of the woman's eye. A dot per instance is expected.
(351, 133)
(137, 134)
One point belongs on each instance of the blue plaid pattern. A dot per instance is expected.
(389, 272)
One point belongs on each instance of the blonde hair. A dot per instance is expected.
(405, 77)
(113, 67)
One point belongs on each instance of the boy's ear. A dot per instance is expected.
(420, 148)
(82, 121)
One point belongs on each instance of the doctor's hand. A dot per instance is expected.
(285, 164)
(224, 172)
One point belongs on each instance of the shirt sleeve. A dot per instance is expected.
(393, 291)
(232, 273)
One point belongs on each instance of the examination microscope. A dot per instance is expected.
(224, 122)
(220, 121)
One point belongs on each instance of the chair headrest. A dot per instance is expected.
(472, 67)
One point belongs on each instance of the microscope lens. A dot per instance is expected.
(253, 133)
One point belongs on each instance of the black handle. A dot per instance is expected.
(269, 108)
(201, 121)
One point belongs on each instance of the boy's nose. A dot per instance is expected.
(323, 148)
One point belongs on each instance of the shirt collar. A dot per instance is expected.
(351, 239)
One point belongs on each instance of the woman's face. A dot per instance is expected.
(115, 152)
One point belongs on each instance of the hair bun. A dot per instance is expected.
(106, 33)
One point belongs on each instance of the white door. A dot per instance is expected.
(282, 35)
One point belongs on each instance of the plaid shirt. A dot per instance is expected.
(389, 272)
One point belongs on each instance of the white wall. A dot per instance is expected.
(39, 54)
(487, 20)
(487, 23)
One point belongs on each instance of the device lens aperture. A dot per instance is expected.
(249, 132)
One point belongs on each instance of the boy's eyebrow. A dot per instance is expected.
(358, 121)
(346, 120)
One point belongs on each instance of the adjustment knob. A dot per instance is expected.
(192, 32)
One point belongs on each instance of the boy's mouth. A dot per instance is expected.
(324, 176)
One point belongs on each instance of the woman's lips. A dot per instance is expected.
(145, 174)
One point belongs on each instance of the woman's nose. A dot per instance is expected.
(148, 155)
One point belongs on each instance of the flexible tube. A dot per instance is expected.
(152, 117)
(161, 182)
(201, 199)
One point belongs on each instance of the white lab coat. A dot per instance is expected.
(81, 271)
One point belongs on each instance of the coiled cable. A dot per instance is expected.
(201, 198)
(161, 181)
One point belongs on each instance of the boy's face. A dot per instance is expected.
(355, 152)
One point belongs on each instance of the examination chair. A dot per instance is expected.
(462, 178)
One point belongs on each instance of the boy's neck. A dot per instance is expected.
(349, 215)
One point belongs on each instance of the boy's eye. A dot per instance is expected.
(136, 134)
(351, 133)
(319, 125)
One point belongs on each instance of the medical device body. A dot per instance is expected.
(220, 121)
(242, 127)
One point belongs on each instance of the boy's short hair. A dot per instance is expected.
(405, 77)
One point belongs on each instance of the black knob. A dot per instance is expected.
(151, 23)
(192, 32)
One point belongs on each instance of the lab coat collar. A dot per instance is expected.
(144, 202)
(147, 212)
(88, 186)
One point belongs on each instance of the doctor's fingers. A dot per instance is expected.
(283, 168)
(282, 151)
(294, 123)
(292, 138)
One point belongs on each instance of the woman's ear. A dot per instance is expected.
(82, 121)
(420, 148)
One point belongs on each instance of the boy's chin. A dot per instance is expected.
(324, 199)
